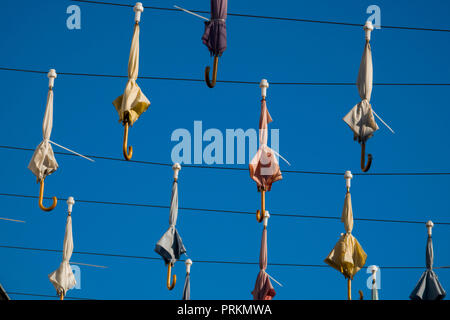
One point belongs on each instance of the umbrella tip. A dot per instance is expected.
(348, 176)
(138, 9)
(264, 85)
(70, 203)
(266, 217)
(188, 263)
(372, 268)
(429, 225)
(51, 77)
(176, 168)
(368, 28)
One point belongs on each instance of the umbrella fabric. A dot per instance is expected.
(170, 247)
(187, 288)
(63, 278)
(43, 162)
(374, 292)
(347, 256)
(215, 35)
(360, 119)
(264, 167)
(428, 287)
(263, 287)
(133, 102)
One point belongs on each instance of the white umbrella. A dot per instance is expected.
(63, 278)
(133, 102)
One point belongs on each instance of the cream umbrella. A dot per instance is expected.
(133, 102)
(361, 119)
(347, 256)
(63, 278)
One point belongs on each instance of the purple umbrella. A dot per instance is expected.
(215, 36)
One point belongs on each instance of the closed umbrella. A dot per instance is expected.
(187, 281)
(374, 289)
(347, 256)
(264, 167)
(428, 287)
(133, 102)
(263, 287)
(63, 278)
(361, 118)
(170, 247)
(215, 36)
(43, 162)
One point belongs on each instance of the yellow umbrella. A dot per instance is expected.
(347, 256)
(133, 102)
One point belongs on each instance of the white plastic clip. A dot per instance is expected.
(266, 218)
(368, 28)
(51, 78)
(348, 177)
(176, 168)
(430, 225)
(70, 203)
(188, 263)
(264, 85)
(138, 9)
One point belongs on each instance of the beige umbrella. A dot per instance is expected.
(133, 102)
(347, 256)
(361, 118)
(63, 278)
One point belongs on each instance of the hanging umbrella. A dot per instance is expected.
(361, 119)
(263, 287)
(428, 287)
(63, 278)
(215, 36)
(187, 281)
(170, 247)
(347, 256)
(374, 289)
(264, 167)
(43, 162)
(133, 102)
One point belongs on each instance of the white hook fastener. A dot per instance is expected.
(138, 9)
(430, 225)
(266, 218)
(176, 168)
(368, 28)
(348, 177)
(70, 203)
(188, 263)
(264, 85)
(51, 78)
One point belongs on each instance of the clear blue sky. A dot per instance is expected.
(312, 137)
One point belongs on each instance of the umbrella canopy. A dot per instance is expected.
(133, 102)
(264, 167)
(360, 118)
(347, 256)
(43, 162)
(263, 287)
(428, 287)
(170, 247)
(215, 35)
(63, 278)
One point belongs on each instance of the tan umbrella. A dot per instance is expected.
(63, 278)
(347, 256)
(133, 102)
(361, 118)
(264, 167)
(43, 162)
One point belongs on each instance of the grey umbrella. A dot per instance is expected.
(428, 287)
(170, 247)
(215, 36)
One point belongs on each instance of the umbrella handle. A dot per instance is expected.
(41, 198)
(361, 295)
(127, 154)
(208, 81)
(174, 277)
(260, 214)
(365, 167)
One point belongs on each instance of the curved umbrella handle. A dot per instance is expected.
(365, 167)
(208, 81)
(174, 277)
(260, 214)
(127, 154)
(361, 296)
(41, 198)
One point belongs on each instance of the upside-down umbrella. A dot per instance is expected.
(170, 247)
(63, 278)
(215, 36)
(347, 256)
(264, 167)
(263, 287)
(43, 162)
(361, 118)
(133, 102)
(428, 287)
(187, 281)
